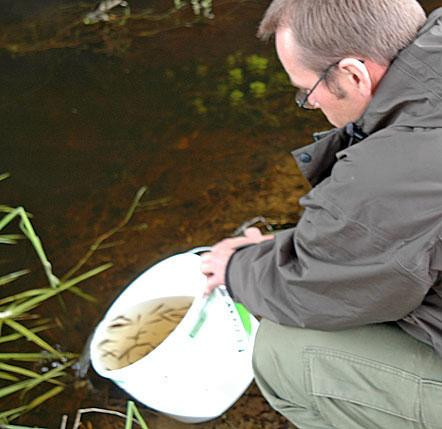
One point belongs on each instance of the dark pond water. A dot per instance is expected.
(198, 111)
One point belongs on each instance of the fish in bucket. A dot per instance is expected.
(182, 354)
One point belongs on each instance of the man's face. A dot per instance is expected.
(339, 111)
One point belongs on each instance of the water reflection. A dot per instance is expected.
(197, 111)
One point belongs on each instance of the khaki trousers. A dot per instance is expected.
(372, 377)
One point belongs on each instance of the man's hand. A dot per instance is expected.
(214, 263)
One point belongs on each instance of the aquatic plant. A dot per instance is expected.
(236, 97)
(132, 416)
(199, 105)
(249, 90)
(236, 76)
(77, 25)
(18, 323)
(203, 7)
(258, 89)
(257, 64)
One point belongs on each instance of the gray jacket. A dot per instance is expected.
(368, 247)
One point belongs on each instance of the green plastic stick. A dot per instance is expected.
(244, 316)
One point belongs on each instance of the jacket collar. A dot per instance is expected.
(317, 159)
(406, 96)
(410, 94)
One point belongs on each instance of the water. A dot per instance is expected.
(140, 330)
(92, 113)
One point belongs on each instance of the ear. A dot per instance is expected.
(357, 75)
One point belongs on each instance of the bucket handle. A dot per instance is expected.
(199, 250)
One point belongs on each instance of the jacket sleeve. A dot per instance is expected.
(334, 270)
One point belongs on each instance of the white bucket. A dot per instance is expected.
(202, 367)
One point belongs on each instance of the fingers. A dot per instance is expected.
(205, 264)
(253, 233)
(256, 235)
(212, 283)
(214, 263)
(235, 242)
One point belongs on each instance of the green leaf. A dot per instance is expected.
(4, 176)
(129, 415)
(7, 209)
(31, 383)
(18, 427)
(31, 303)
(11, 414)
(34, 357)
(23, 371)
(132, 407)
(26, 294)
(10, 238)
(12, 388)
(42, 398)
(8, 278)
(82, 294)
(7, 376)
(31, 336)
(16, 336)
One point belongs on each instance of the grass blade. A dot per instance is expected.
(31, 336)
(82, 294)
(4, 176)
(10, 238)
(8, 278)
(138, 415)
(18, 370)
(129, 415)
(18, 427)
(11, 414)
(34, 357)
(103, 237)
(16, 336)
(7, 209)
(44, 397)
(28, 305)
(7, 376)
(25, 384)
(23, 295)
(31, 383)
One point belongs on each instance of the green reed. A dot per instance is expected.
(132, 416)
(21, 325)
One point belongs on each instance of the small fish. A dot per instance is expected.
(112, 353)
(101, 12)
(137, 335)
(126, 319)
(120, 322)
(167, 317)
(157, 308)
(102, 343)
(155, 320)
(127, 352)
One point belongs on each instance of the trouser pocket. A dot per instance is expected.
(352, 392)
(431, 404)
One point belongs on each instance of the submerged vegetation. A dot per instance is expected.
(132, 416)
(20, 326)
(249, 86)
(41, 364)
(111, 27)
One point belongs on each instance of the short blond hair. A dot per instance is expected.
(329, 30)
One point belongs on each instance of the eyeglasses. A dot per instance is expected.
(302, 95)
